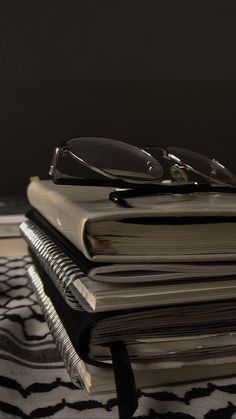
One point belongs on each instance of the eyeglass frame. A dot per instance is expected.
(138, 188)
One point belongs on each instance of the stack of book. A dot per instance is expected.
(143, 295)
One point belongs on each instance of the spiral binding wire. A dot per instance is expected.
(62, 270)
(74, 365)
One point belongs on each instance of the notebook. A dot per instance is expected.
(147, 374)
(163, 228)
(163, 334)
(68, 273)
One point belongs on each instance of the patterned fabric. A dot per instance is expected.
(35, 384)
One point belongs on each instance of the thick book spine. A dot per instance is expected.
(59, 267)
(74, 365)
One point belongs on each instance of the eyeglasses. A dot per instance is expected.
(142, 171)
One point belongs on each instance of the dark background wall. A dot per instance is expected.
(146, 71)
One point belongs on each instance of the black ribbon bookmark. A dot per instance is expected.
(124, 379)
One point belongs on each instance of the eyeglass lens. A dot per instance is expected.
(209, 168)
(116, 158)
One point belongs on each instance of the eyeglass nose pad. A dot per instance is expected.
(178, 173)
(214, 167)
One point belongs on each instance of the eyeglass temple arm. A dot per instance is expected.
(120, 197)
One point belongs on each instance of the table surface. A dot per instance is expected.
(13, 247)
(34, 382)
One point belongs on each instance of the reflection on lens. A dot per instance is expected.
(208, 168)
(115, 158)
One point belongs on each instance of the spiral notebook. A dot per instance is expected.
(160, 334)
(97, 379)
(72, 358)
(199, 339)
(59, 261)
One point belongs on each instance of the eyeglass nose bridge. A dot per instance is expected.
(214, 167)
(178, 173)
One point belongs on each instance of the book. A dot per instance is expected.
(145, 373)
(157, 334)
(98, 379)
(70, 276)
(197, 227)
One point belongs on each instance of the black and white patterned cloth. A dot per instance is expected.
(35, 384)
